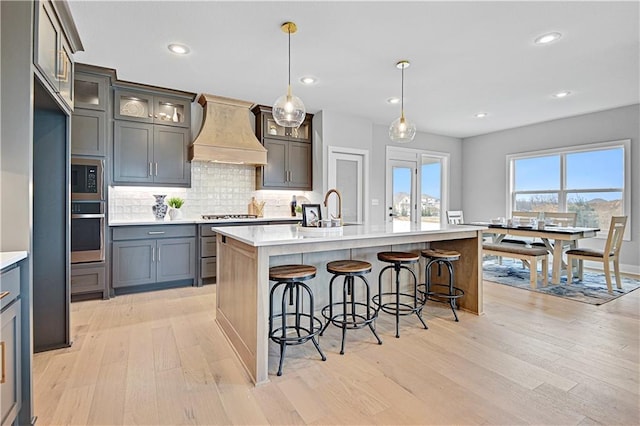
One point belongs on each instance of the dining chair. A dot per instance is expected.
(610, 253)
(455, 217)
(566, 219)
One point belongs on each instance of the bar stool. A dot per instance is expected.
(400, 303)
(441, 257)
(349, 313)
(287, 334)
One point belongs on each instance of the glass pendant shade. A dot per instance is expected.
(288, 110)
(402, 130)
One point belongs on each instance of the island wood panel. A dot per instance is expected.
(467, 271)
(237, 294)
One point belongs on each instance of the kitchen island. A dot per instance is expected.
(245, 254)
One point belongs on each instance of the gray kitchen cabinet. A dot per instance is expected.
(289, 153)
(150, 154)
(10, 346)
(90, 119)
(153, 254)
(89, 278)
(53, 50)
(89, 132)
(147, 107)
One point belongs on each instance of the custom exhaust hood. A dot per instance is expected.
(226, 135)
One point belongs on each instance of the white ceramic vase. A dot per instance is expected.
(175, 214)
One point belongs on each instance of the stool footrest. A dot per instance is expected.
(340, 319)
(408, 304)
(295, 339)
(457, 292)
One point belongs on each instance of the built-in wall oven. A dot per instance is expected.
(87, 210)
(87, 231)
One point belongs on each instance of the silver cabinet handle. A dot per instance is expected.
(153, 254)
(3, 376)
(155, 232)
(156, 169)
(88, 216)
(150, 169)
(158, 254)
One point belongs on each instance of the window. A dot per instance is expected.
(591, 180)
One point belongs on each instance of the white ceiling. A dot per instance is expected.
(466, 57)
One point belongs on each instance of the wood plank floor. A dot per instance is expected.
(160, 358)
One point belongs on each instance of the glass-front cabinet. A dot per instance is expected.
(139, 106)
(274, 129)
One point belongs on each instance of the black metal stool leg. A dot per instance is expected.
(452, 301)
(368, 293)
(283, 347)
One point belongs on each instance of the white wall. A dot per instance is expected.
(484, 185)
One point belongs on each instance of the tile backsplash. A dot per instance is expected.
(215, 189)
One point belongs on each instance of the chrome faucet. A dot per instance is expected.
(326, 199)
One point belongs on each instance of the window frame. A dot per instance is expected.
(624, 144)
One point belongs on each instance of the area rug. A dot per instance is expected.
(592, 289)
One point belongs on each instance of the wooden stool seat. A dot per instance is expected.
(450, 255)
(398, 256)
(292, 272)
(351, 267)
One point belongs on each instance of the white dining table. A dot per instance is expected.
(552, 237)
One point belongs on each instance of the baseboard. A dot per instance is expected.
(626, 269)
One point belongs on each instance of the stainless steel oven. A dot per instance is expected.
(86, 179)
(87, 232)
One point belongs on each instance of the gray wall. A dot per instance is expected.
(338, 129)
(484, 186)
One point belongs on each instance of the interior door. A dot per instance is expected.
(402, 191)
(347, 174)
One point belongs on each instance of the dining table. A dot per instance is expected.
(552, 236)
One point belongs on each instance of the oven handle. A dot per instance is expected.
(88, 216)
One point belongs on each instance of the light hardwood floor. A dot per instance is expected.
(159, 358)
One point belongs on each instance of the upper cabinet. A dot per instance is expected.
(89, 123)
(55, 41)
(289, 153)
(147, 108)
(151, 135)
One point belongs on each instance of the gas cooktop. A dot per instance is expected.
(228, 216)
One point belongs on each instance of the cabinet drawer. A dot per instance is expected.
(87, 279)
(208, 267)
(207, 246)
(10, 281)
(10, 390)
(205, 230)
(152, 231)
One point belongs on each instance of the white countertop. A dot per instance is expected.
(8, 258)
(220, 222)
(273, 235)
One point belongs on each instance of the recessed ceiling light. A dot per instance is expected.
(180, 49)
(481, 115)
(562, 94)
(547, 38)
(393, 100)
(308, 80)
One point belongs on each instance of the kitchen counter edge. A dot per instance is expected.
(8, 258)
(203, 221)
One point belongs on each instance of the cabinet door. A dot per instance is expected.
(170, 145)
(134, 263)
(47, 42)
(133, 106)
(176, 259)
(10, 387)
(299, 164)
(171, 111)
(275, 172)
(89, 132)
(91, 92)
(88, 279)
(132, 152)
(65, 72)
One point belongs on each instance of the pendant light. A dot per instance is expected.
(402, 130)
(288, 110)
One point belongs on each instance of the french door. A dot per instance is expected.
(402, 191)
